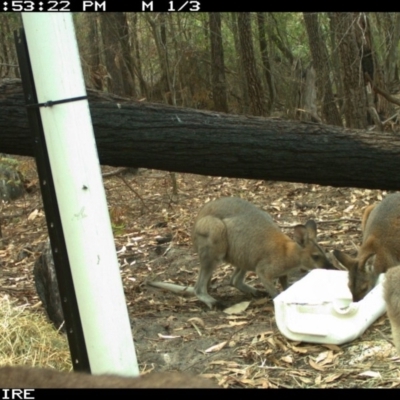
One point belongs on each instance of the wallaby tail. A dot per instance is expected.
(172, 287)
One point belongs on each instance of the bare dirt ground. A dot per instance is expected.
(152, 236)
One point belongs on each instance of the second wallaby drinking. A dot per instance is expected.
(380, 249)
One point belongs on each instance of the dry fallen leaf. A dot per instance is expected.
(237, 308)
(371, 374)
(219, 327)
(331, 378)
(333, 347)
(305, 380)
(325, 357)
(33, 215)
(230, 364)
(216, 348)
(315, 365)
(238, 323)
(168, 336)
(287, 359)
(348, 209)
(300, 350)
(197, 321)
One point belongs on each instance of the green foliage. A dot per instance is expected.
(9, 172)
(291, 29)
(118, 229)
(11, 186)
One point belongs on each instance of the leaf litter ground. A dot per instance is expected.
(152, 230)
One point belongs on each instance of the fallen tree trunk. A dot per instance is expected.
(134, 134)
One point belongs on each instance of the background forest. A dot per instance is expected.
(336, 68)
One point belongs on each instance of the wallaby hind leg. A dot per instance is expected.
(210, 241)
(396, 334)
(392, 299)
(237, 281)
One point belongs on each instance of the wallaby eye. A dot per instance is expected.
(315, 257)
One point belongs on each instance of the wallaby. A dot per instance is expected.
(233, 230)
(380, 247)
(392, 299)
(38, 378)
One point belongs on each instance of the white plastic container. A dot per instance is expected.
(319, 308)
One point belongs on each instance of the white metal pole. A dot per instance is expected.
(80, 193)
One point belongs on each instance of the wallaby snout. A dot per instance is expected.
(38, 378)
(392, 299)
(235, 231)
(380, 249)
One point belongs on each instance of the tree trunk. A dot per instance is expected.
(90, 49)
(244, 93)
(162, 137)
(335, 62)
(157, 24)
(355, 104)
(254, 85)
(320, 59)
(265, 59)
(111, 27)
(392, 47)
(217, 64)
(8, 57)
(127, 69)
(310, 97)
(137, 58)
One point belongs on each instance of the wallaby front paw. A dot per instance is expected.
(259, 293)
(220, 305)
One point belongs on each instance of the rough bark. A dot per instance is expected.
(320, 59)
(158, 28)
(113, 25)
(355, 102)
(265, 59)
(137, 58)
(162, 137)
(127, 67)
(254, 85)
(392, 41)
(217, 64)
(241, 81)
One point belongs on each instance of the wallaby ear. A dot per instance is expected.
(311, 227)
(355, 279)
(301, 235)
(364, 264)
(347, 261)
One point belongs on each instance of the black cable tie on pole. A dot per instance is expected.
(52, 103)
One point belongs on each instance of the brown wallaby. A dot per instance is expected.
(392, 299)
(380, 247)
(233, 230)
(24, 378)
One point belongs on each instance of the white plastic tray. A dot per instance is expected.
(319, 308)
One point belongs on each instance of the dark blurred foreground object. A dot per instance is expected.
(23, 378)
(11, 181)
(47, 287)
